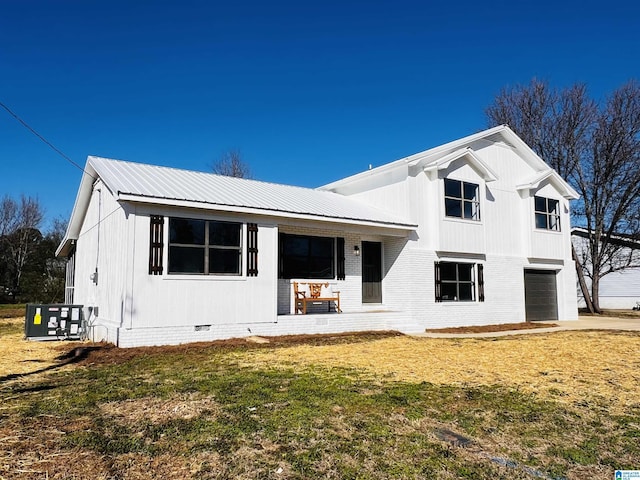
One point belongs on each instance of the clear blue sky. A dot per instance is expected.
(310, 92)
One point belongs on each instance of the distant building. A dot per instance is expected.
(620, 289)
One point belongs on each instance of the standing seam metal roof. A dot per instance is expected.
(153, 181)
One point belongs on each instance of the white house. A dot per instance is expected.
(472, 232)
(619, 289)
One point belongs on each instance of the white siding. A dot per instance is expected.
(136, 308)
(618, 290)
(103, 245)
(181, 300)
(505, 241)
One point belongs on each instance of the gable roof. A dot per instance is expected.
(430, 159)
(471, 156)
(552, 176)
(151, 184)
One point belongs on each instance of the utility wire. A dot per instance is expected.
(47, 142)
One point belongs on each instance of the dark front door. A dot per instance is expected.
(371, 272)
(540, 295)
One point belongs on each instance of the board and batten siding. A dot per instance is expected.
(505, 240)
(103, 246)
(459, 235)
(175, 300)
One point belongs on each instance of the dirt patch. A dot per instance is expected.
(503, 327)
(156, 411)
(104, 353)
(13, 311)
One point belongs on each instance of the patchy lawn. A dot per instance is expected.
(562, 405)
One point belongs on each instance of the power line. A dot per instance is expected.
(47, 142)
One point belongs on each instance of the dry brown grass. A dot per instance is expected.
(157, 411)
(572, 367)
(581, 369)
(20, 356)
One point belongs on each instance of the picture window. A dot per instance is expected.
(303, 256)
(205, 247)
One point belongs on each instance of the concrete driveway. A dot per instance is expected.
(583, 323)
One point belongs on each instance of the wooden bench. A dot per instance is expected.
(312, 292)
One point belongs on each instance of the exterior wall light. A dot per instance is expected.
(356, 250)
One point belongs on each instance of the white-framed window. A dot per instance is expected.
(459, 282)
(204, 247)
(462, 199)
(547, 213)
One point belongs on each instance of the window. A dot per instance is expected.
(303, 256)
(461, 199)
(204, 247)
(547, 213)
(456, 282)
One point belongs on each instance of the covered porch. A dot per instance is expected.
(360, 268)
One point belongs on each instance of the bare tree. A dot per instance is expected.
(231, 164)
(20, 224)
(597, 149)
(8, 215)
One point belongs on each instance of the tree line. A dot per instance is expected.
(29, 269)
(595, 146)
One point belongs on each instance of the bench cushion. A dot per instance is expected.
(326, 291)
(304, 288)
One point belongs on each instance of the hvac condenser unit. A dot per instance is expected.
(53, 322)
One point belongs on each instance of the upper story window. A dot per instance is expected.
(462, 199)
(547, 213)
(205, 247)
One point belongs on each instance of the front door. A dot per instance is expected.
(371, 272)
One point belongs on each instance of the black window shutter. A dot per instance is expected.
(341, 273)
(156, 244)
(281, 240)
(438, 281)
(481, 282)
(252, 249)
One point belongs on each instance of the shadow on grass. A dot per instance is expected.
(73, 356)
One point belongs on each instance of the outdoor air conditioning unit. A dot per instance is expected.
(53, 322)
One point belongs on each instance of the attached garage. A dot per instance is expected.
(540, 295)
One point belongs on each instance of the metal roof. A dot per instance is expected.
(140, 182)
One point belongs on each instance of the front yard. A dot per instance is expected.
(562, 405)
